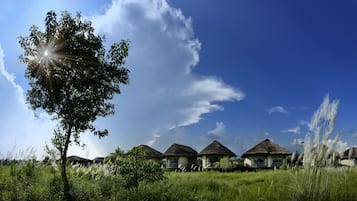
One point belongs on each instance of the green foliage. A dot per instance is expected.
(134, 168)
(224, 164)
(70, 74)
(113, 156)
(190, 186)
(21, 181)
(158, 191)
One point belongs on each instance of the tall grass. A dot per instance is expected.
(264, 185)
(313, 183)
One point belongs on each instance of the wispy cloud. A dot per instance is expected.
(339, 145)
(304, 123)
(277, 109)
(33, 132)
(218, 131)
(152, 141)
(298, 141)
(354, 135)
(295, 130)
(10, 77)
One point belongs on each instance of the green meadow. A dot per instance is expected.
(31, 181)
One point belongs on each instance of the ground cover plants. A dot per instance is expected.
(42, 182)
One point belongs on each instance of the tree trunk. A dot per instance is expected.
(66, 187)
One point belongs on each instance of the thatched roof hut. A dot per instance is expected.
(350, 153)
(180, 156)
(216, 148)
(180, 150)
(98, 160)
(266, 147)
(328, 152)
(149, 152)
(78, 160)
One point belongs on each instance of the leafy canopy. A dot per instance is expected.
(71, 76)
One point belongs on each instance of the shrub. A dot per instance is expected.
(135, 170)
(224, 164)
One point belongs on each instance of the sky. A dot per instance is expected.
(237, 72)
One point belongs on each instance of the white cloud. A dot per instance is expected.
(295, 130)
(354, 135)
(234, 143)
(337, 145)
(277, 109)
(304, 123)
(11, 78)
(164, 92)
(152, 141)
(298, 141)
(218, 131)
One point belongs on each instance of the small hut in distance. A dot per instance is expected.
(180, 156)
(349, 157)
(76, 160)
(266, 154)
(213, 153)
(148, 152)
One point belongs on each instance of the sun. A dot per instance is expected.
(46, 53)
(45, 58)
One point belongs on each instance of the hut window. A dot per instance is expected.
(213, 159)
(174, 161)
(258, 160)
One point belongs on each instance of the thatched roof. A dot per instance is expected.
(180, 150)
(98, 160)
(325, 149)
(149, 152)
(216, 148)
(77, 159)
(266, 147)
(350, 153)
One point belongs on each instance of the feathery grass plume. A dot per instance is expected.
(312, 183)
(316, 151)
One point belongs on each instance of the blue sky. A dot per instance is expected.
(238, 71)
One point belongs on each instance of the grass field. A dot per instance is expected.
(39, 182)
(267, 185)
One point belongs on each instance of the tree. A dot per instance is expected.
(116, 154)
(72, 78)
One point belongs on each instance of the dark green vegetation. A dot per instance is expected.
(33, 181)
(72, 78)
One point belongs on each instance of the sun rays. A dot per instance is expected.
(46, 53)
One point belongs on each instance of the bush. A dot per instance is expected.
(133, 167)
(136, 169)
(224, 165)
